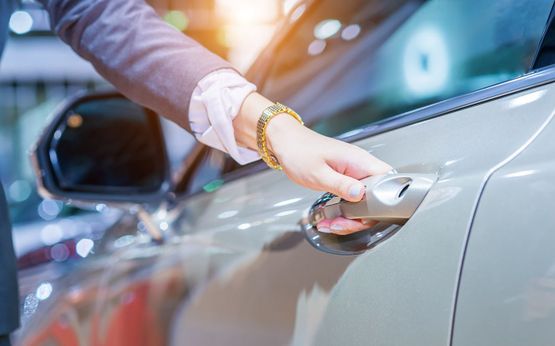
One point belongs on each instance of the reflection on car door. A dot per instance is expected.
(268, 285)
(507, 290)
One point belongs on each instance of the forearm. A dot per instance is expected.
(129, 45)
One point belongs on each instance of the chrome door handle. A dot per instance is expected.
(390, 198)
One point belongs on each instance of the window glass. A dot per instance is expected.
(546, 55)
(354, 62)
(208, 172)
(350, 63)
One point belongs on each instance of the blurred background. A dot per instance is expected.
(37, 71)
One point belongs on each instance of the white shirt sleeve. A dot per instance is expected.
(214, 104)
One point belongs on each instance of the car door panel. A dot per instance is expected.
(256, 300)
(507, 290)
(238, 270)
(243, 282)
(413, 275)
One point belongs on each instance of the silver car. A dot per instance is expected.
(458, 96)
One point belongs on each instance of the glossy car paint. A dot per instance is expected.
(236, 269)
(410, 280)
(507, 291)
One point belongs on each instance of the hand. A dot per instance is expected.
(312, 160)
(323, 164)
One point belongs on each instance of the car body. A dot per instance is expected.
(461, 90)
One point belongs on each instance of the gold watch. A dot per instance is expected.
(263, 122)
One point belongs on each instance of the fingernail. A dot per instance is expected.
(355, 190)
(324, 230)
(337, 227)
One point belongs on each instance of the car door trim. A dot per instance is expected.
(527, 81)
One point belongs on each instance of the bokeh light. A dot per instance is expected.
(247, 26)
(21, 22)
(49, 209)
(84, 247)
(44, 291)
(59, 252)
(297, 13)
(326, 29)
(350, 32)
(51, 234)
(177, 19)
(316, 47)
(19, 191)
(426, 62)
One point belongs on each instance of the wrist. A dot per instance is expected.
(280, 130)
(245, 123)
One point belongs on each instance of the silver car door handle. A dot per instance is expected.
(391, 198)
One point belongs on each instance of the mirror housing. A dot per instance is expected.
(102, 147)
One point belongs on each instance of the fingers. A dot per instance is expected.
(340, 176)
(343, 226)
(341, 185)
(360, 163)
(324, 226)
(372, 165)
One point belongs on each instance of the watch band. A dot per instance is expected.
(263, 122)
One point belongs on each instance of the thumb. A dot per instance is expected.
(341, 185)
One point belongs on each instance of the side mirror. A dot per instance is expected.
(102, 147)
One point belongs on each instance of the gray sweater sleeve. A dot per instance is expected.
(147, 60)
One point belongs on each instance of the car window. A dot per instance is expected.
(351, 63)
(208, 172)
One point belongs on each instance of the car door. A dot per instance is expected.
(438, 87)
(507, 286)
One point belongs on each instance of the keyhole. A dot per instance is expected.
(403, 191)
